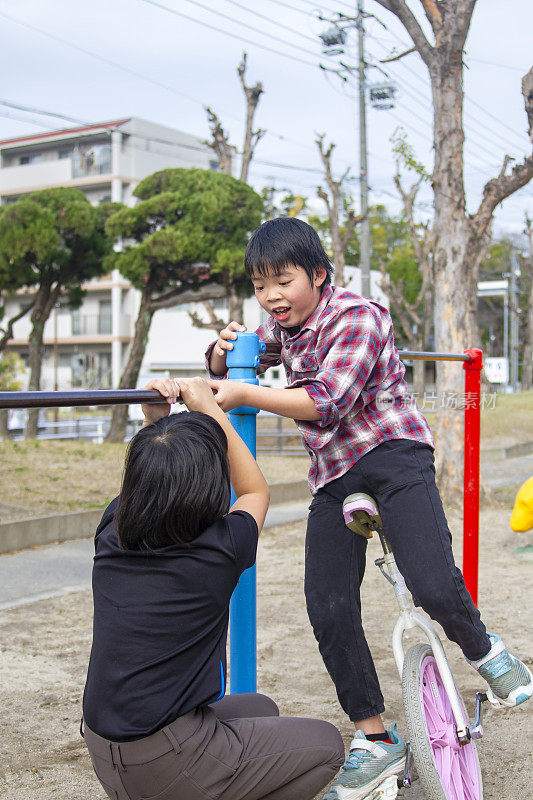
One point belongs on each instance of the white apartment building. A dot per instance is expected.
(106, 161)
(89, 347)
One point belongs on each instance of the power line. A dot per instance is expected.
(157, 140)
(103, 59)
(273, 21)
(136, 74)
(228, 33)
(472, 120)
(251, 27)
(478, 105)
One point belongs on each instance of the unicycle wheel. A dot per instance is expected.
(447, 770)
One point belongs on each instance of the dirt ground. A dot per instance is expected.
(44, 650)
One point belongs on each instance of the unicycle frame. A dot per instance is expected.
(410, 619)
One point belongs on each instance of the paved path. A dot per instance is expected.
(58, 569)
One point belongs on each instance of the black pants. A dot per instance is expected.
(400, 475)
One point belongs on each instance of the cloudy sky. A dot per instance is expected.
(164, 61)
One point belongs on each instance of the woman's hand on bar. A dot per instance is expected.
(169, 391)
(197, 395)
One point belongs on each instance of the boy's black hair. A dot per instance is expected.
(282, 241)
(175, 483)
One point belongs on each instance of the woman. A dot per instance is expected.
(168, 554)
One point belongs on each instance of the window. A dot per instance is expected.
(31, 158)
(104, 316)
(76, 322)
(65, 152)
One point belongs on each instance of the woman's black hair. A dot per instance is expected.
(280, 242)
(175, 483)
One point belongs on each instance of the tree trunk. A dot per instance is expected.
(235, 307)
(4, 431)
(119, 417)
(451, 263)
(44, 302)
(527, 369)
(419, 379)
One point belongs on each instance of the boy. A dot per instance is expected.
(343, 371)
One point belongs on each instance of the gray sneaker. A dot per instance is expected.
(510, 681)
(367, 768)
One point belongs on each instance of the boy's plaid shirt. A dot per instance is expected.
(345, 358)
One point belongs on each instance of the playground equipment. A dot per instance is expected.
(242, 362)
(522, 516)
(441, 741)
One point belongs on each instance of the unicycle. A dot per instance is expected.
(441, 742)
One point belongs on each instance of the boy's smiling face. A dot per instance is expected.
(289, 296)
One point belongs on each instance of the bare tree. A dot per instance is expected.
(251, 137)
(225, 151)
(459, 238)
(416, 317)
(340, 231)
(219, 143)
(527, 369)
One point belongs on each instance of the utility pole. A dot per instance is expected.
(514, 322)
(381, 97)
(363, 160)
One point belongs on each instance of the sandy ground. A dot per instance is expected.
(44, 649)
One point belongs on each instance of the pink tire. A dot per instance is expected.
(447, 770)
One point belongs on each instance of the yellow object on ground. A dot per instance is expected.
(522, 516)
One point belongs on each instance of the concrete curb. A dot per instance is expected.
(513, 451)
(24, 533)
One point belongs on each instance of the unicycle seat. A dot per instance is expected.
(361, 514)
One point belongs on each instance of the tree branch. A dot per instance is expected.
(251, 138)
(212, 292)
(412, 26)
(353, 220)
(397, 58)
(213, 323)
(219, 143)
(395, 294)
(7, 332)
(462, 16)
(496, 190)
(527, 92)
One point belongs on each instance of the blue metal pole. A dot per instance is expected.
(242, 362)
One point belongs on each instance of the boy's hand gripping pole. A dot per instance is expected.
(242, 362)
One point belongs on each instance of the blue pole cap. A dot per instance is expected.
(246, 350)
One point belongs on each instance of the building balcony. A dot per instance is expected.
(77, 329)
(78, 170)
(91, 324)
(25, 177)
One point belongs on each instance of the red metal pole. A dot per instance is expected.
(472, 370)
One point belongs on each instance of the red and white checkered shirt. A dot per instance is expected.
(344, 356)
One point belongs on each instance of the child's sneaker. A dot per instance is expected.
(367, 766)
(510, 681)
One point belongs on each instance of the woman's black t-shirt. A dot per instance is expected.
(160, 626)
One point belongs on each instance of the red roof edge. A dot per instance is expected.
(51, 134)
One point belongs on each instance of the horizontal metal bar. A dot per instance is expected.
(423, 356)
(97, 397)
(105, 397)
